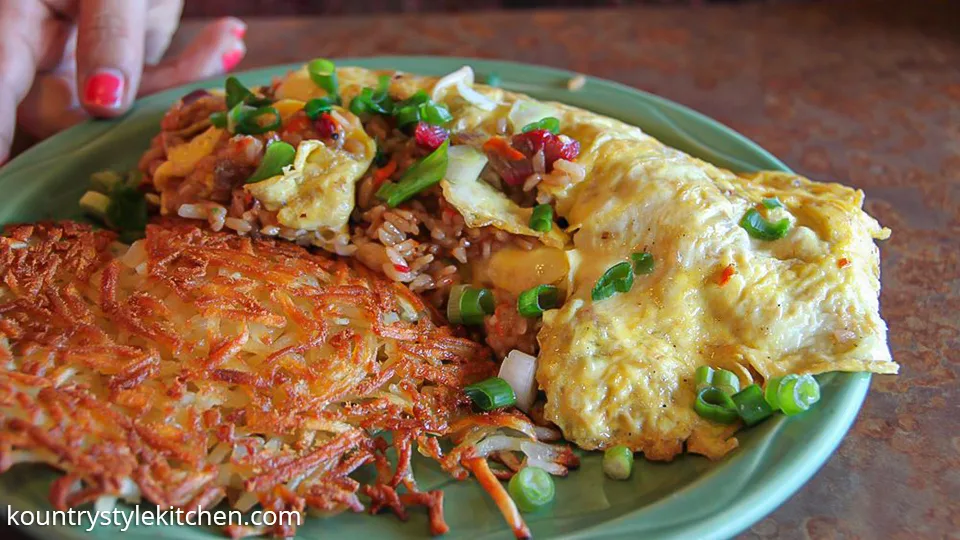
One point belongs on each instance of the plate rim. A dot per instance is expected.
(758, 502)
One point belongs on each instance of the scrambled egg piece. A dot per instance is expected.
(182, 159)
(317, 192)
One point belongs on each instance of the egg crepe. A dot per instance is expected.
(621, 370)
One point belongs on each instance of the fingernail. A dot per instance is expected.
(239, 31)
(104, 88)
(230, 59)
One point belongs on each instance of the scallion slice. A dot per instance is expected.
(772, 388)
(493, 79)
(751, 405)
(617, 278)
(468, 305)
(317, 106)
(542, 218)
(127, 212)
(277, 156)
(798, 395)
(715, 405)
(772, 202)
(534, 301)
(758, 227)
(490, 394)
(421, 175)
(618, 462)
(218, 119)
(323, 72)
(727, 381)
(531, 489)
(434, 113)
(236, 92)
(704, 377)
(549, 123)
(642, 263)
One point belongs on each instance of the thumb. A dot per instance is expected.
(110, 40)
(217, 49)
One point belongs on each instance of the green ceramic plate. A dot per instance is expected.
(688, 498)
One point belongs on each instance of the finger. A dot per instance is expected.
(22, 29)
(163, 16)
(51, 105)
(110, 41)
(218, 48)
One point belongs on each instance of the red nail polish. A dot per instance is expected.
(104, 88)
(239, 31)
(230, 59)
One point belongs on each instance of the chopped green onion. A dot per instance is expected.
(772, 202)
(433, 113)
(618, 462)
(798, 395)
(369, 103)
(218, 119)
(236, 92)
(468, 305)
(531, 489)
(317, 106)
(727, 381)
(617, 278)
(248, 121)
(490, 394)
(704, 377)
(323, 72)
(758, 227)
(105, 181)
(642, 263)
(715, 405)
(534, 301)
(421, 175)
(127, 212)
(549, 123)
(772, 388)
(96, 204)
(418, 98)
(407, 115)
(751, 405)
(493, 79)
(277, 156)
(542, 218)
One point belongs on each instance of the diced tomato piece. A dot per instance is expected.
(554, 147)
(298, 123)
(429, 136)
(326, 126)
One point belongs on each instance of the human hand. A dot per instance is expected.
(63, 61)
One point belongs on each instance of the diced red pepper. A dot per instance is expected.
(843, 262)
(726, 275)
(429, 136)
(401, 268)
(326, 126)
(296, 124)
(554, 147)
(512, 166)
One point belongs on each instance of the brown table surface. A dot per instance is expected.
(864, 94)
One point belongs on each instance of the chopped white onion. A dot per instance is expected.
(519, 369)
(526, 112)
(464, 75)
(464, 164)
(475, 98)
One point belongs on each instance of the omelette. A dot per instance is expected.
(444, 183)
